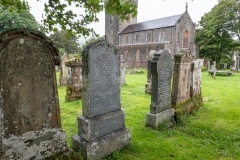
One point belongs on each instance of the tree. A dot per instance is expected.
(213, 39)
(70, 45)
(13, 19)
(58, 13)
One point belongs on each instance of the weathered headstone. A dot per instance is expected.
(160, 108)
(101, 127)
(236, 61)
(225, 65)
(148, 85)
(196, 79)
(64, 71)
(74, 82)
(181, 77)
(122, 71)
(29, 108)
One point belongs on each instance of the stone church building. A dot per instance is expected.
(138, 41)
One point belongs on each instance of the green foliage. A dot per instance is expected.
(64, 42)
(214, 38)
(13, 19)
(210, 133)
(59, 13)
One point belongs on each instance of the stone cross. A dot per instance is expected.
(101, 127)
(64, 71)
(29, 107)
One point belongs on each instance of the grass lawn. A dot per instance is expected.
(211, 133)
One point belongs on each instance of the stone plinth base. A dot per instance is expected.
(154, 120)
(102, 146)
(34, 145)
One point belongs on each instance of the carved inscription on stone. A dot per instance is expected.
(165, 69)
(103, 80)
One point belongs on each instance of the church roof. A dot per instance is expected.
(152, 24)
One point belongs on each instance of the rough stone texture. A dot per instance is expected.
(28, 91)
(122, 71)
(181, 76)
(103, 146)
(161, 69)
(154, 120)
(64, 71)
(98, 126)
(196, 78)
(74, 82)
(101, 128)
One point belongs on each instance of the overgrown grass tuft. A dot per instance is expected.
(213, 132)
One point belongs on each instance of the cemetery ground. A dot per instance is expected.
(212, 132)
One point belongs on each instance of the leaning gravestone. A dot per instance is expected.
(101, 128)
(30, 125)
(160, 108)
(181, 77)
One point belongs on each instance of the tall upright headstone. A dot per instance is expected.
(196, 79)
(101, 127)
(74, 82)
(181, 76)
(160, 107)
(64, 70)
(29, 107)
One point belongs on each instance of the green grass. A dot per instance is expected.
(213, 132)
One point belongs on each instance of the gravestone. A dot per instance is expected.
(148, 85)
(225, 65)
(64, 71)
(74, 82)
(122, 71)
(208, 65)
(101, 127)
(181, 76)
(160, 108)
(196, 79)
(30, 117)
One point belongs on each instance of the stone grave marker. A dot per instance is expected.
(181, 76)
(160, 108)
(74, 82)
(196, 79)
(64, 70)
(101, 127)
(29, 108)
(122, 71)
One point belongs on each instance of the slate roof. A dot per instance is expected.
(152, 24)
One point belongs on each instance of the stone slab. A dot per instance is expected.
(101, 79)
(103, 146)
(154, 120)
(35, 145)
(98, 126)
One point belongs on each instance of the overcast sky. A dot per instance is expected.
(147, 10)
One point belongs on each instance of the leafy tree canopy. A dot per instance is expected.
(58, 13)
(214, 39)
(68, 45)
(13, 19)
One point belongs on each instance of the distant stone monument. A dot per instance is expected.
(30, 125)
(235, 62)
(148, 85)
(122, 71)
(181, 76)
(64, 71)
(74, 82)
(161, 71)
(101, 127)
